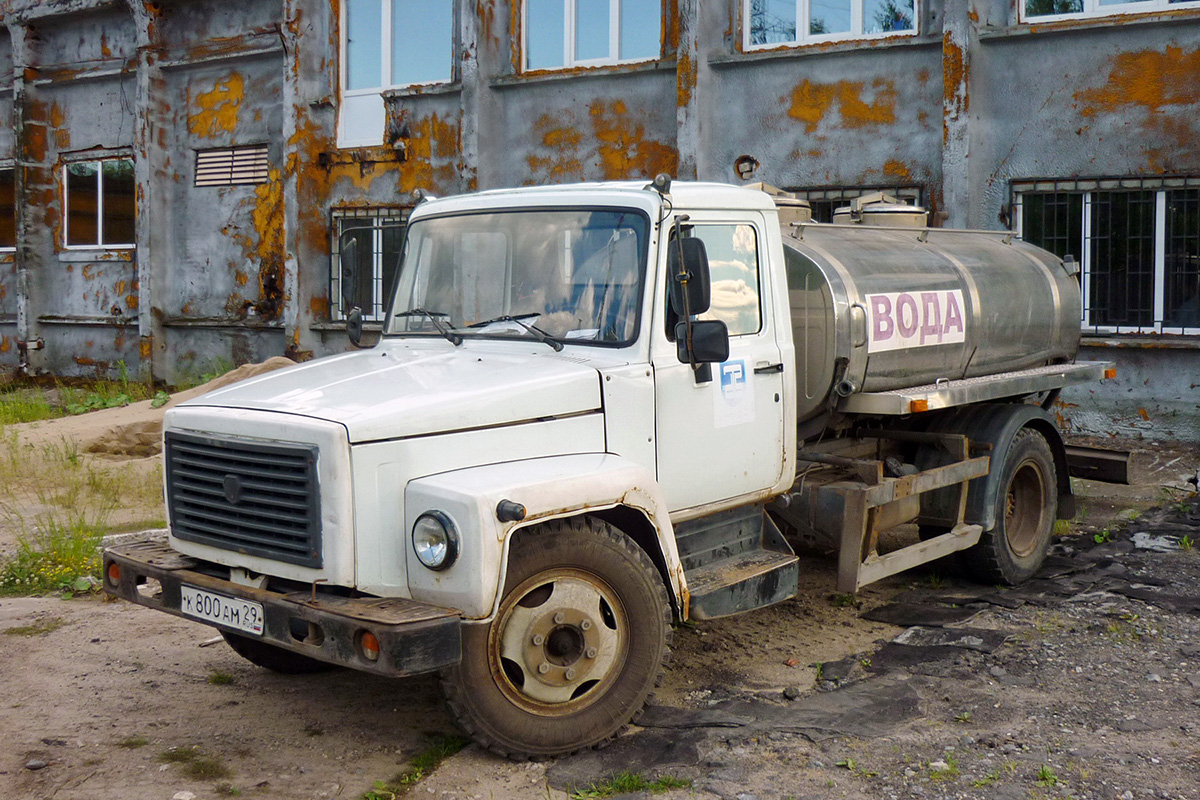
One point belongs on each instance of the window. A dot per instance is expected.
(8, 208)
(386, 44)
(1138, 242)
(373, 238)
(570, 33)
(733, 267)
(770, 23)
(232, 166)
(99, 203)
(1067, 9)
(825, 200)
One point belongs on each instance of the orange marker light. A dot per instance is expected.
(917, 406)
(114, 573)
(1110, 373)
(369, 645)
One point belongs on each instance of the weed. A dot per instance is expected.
(218, 678)
(133, 742)
(423, 764)
(25, 405)
(627, 782)
(313, 729)
(62, 557)
(963, 717)
(947, 773)
(845, 600)
(1046, 776)
(161, 398)
(1102, 537)
(848, 763)
(987, 780)
(47, 625)
(195, 764)
(227, 790)
(936, 581)
(865, 661)
(1186, 542)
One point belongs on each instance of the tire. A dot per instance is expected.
(274, 658)
(575, 650)
(1026, 507)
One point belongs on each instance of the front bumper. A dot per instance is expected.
(413, 637)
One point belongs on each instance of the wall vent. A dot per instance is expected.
(231, 166)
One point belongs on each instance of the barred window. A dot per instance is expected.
(1138, 241)
(373, 237)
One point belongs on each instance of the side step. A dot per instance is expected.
(735, 561)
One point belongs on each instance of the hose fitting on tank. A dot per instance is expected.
(846, 387)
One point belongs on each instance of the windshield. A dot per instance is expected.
(573, 275)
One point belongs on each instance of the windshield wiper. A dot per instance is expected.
(433, 316)
(534, 330)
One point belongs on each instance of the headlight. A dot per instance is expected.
(435, 540)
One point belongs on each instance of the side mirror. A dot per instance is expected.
(354, 325)
(691, 290)
(348, 247)
(708, 343)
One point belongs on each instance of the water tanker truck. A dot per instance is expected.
(595, 411)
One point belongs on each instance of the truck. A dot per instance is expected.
(596, 411)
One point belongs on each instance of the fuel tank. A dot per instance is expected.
(876, 308)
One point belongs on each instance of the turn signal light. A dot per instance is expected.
(1110, 373)
(917, 406)
(114, 574)
(369, 645)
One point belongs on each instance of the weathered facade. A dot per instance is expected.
(118, 119)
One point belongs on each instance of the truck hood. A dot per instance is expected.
(395, 392)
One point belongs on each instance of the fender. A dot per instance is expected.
(548, 488)
(997, 424)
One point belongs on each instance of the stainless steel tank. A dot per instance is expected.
(876, 309)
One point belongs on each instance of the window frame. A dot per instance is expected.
(375, 218)
(759, 243)
(1088, 188)
(1093, 9)
(803, 38)
(369, 112)
(11, 167)
(569, 31)
(66, 202)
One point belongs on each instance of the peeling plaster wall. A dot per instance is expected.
(227, 274)
(1155, 396)
(1101, 102)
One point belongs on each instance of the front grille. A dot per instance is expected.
(249, 497)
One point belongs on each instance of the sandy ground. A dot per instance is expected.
(1098, 689)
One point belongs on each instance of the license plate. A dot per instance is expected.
(242, 615)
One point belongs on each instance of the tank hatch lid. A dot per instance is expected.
(879, 208)
(951, 393)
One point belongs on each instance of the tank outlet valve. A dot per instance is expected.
(846, 388)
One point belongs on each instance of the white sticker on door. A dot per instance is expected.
(733, 398)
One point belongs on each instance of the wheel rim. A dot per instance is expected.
(1025, 509)
(559, 642)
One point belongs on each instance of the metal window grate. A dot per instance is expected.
(249, 497)
(232, 166)
(824, 200)
(378, 233)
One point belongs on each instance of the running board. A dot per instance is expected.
(735, 561)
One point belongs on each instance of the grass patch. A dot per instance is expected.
(133, 742)
(46, 625)
(626, 782)
(1046, 776)
(63, 557)
(422, 766)
(947, 769)
(218, 678)
(193, 763)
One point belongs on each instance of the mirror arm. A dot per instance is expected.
(682, 278)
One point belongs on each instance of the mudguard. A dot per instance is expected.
(547, 488)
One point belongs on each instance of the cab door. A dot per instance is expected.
(722, 438)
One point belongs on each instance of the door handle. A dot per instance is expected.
(767, 369)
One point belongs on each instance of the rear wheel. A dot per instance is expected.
(274, 658)
(575, 650)
(1026, 507)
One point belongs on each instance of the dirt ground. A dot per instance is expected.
(1086, 685)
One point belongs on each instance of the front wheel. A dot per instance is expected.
(1026, 507)
(575, 649)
